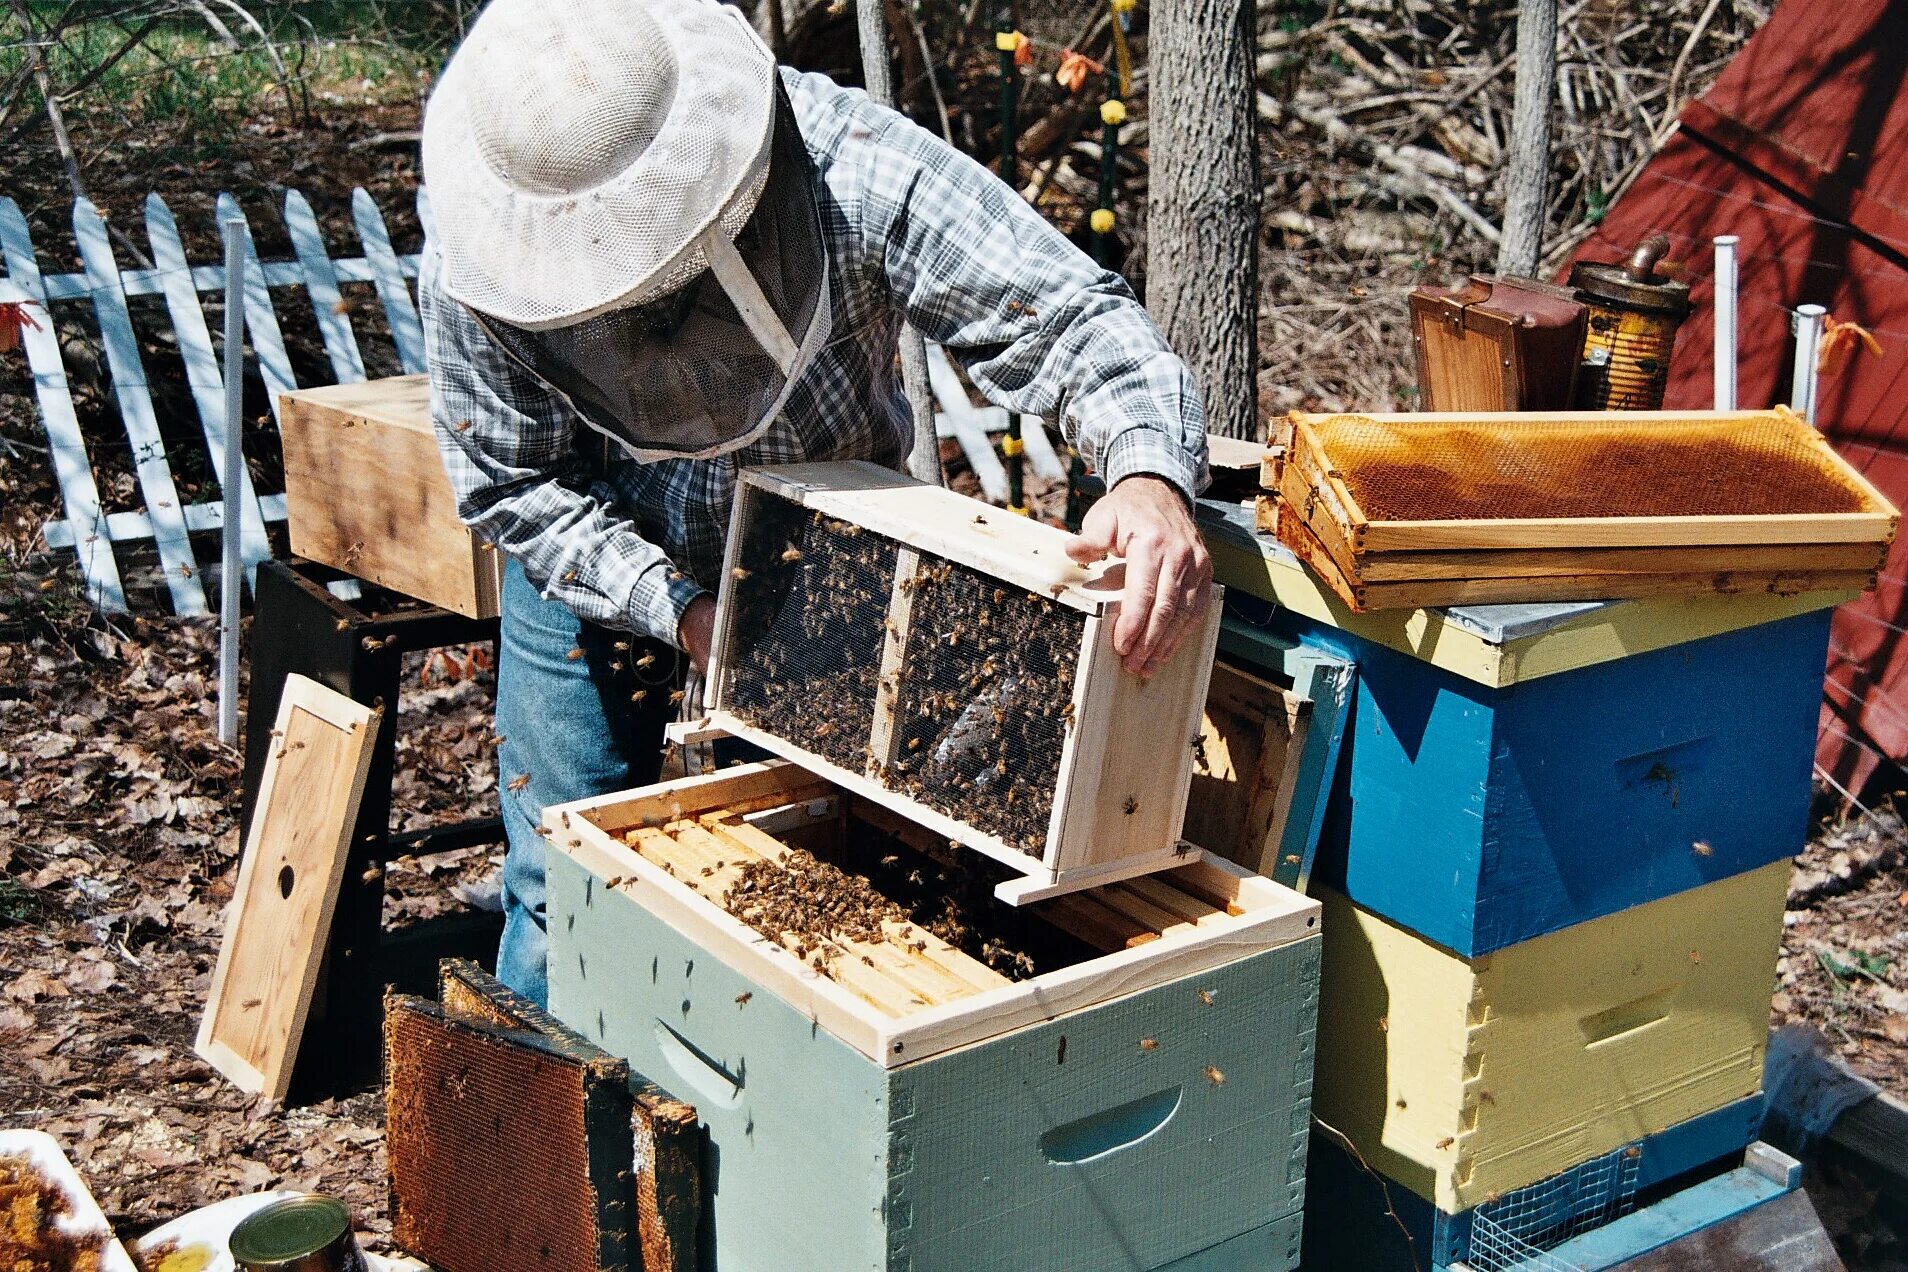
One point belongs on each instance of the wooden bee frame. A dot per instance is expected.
(1510, 493)
(868, 671)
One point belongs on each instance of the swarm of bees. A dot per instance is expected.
(824, 630)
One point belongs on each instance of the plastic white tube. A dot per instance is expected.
(1808, 346)
(1725, 307)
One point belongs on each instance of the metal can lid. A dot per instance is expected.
(1613, 283)
(294, 1228)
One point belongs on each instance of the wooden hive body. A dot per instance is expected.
(366, 493)
(1462, 1079)
(939, 1125)
(1356, 1221)
(1509, 771)
(1403, 511)
(946, 659)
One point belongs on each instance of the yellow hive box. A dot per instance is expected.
(1466, 1078)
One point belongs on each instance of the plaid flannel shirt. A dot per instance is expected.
(914, 230)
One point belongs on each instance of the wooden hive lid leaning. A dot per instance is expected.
(1418, 510)
(947, 659)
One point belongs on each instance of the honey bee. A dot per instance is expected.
(742, 998)
(1445, 1143)
(1130, 807)
(639, 695)
(738, 574)
(518, 782)
(1207, 997)
(675, 696)
(645, 660)
(1214, 1075)
(1149, 1044)
(791, 553)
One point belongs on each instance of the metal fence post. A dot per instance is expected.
(232, 567)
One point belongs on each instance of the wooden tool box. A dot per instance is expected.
(892, 1101)
(1424, 510)
(1515, 770)
(1497, 344)
(366, 493)
(1465, 1078)
(947, 659)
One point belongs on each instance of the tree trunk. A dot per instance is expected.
(1527, 174)
(1202, 228)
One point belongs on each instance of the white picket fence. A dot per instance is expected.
(165, 521)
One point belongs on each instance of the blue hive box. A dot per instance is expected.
(1511, 770)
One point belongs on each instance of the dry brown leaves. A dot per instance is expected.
(118, 838)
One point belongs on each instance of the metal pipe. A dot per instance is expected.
(1725, 317)
(924, 459)
(1006, 44)
(232, 569)
(1807, 325)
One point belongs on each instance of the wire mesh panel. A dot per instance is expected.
(808, 611)
(1518, 1230)
(1510, 469)
(951, 662)
(985, 695)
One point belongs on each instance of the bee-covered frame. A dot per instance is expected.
(1118, 801)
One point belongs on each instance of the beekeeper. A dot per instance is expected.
(658, 258)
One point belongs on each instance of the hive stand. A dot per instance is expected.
(357, 648)
(1365, 1222)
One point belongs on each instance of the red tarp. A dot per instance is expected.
(1801, 149)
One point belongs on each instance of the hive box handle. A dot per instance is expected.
(709, 1077)
(1109, 1131)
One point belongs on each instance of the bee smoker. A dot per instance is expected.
(1634, 316)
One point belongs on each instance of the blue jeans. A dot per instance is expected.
(570, 730)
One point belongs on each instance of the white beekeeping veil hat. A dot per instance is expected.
(622, 197)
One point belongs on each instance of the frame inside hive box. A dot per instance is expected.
(947, 659)
(869, 926)
(366, 493)
(1425, 510)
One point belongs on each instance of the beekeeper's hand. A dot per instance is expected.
(1145, 520)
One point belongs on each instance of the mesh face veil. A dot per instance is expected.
(706, 368)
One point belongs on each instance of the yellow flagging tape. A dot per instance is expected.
(1007, 41)
(1113, 112)
(1102, 220)
(1012, 446)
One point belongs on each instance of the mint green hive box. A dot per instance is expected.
(1136, 1111)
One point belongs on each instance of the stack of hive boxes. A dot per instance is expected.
(1553, 868)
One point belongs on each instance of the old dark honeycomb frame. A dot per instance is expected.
(1111, 793)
